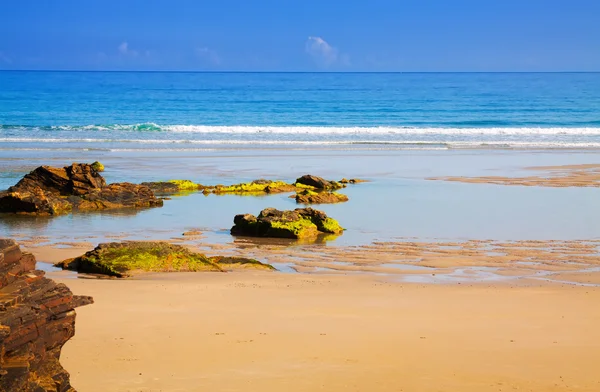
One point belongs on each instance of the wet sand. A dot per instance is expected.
(273, 332)
(584, 175)
(518, 311)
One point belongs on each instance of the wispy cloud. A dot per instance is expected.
(208, 55)
(126, 51)
(324, 54)
(5, 59)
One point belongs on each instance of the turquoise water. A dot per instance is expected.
(196, 111)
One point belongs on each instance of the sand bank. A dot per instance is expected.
(584, 175)
(293, 332)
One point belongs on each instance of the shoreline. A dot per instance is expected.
(488, 262)
(423, 313)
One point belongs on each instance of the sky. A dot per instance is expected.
(309, 35)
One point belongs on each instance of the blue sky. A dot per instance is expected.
(309, 35)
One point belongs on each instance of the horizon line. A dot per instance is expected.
(289, 72)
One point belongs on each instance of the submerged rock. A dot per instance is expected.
(316, 182)
(310, 197)
(173, 186)
(53, 191)
(122, 259)
(352, 181)
(37, 318)
(299, 223)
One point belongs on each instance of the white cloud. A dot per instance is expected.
(126, 51)
(209, 55)
(324, 54)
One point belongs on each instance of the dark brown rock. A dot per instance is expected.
(37, 318)
(318, 182)
(52, 191)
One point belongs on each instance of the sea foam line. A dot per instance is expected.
(482, 144)
(311, 130)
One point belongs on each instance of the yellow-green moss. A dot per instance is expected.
(330, 225)
(302, 186)
(302, 228)
(185, 185)
(239, 262)
(97, 166)
(121, 259)
(255, 187)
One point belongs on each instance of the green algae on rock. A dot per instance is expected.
(122, 259)
(300, 223)
(254, 187)
(173, 186)
(97, 166)
(310, 197)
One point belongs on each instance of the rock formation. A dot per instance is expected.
(254, 187)
(310, 197)
(316, 182)
(299, 223)
(36, 320)
(52, 191)
(122, 259)
(173, 186)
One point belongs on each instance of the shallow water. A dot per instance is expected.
(397, 202)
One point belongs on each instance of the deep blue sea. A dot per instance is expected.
(194, 111)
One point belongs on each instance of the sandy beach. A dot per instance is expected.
(476, 299)
(273, 332)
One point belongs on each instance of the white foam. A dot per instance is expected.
(380, 130)
(312, 130)
(407, 144)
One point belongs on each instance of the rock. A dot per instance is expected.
(123, 259)
(299, 223)
(351, 181)
(53, 191)
(309, 197)
(314, 182)
(173, 186)
(254, 187)
(98, 166)
(229, 263)
(37, 318)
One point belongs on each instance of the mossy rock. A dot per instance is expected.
(315, 182)
(173, 186)
(185, 185)
(97, 166)
(254, 187)
(301, 223)
(232, 263)
(122, 259)
(310, 197)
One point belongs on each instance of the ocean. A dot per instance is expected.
(395, 130)
(118, 111)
